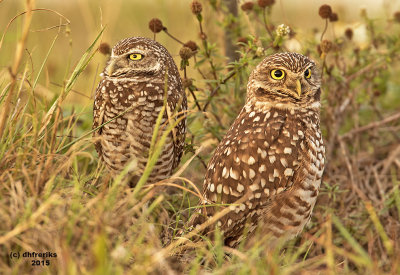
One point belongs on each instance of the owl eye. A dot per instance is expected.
(277, 74)
(307, 73)
(135, 56)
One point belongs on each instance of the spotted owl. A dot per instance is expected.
(129, 98)
(272, 157)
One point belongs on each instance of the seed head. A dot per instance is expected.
(348, 33)
(396, 16)
(282, 30)
(155, 25)
(185, 53)
(325, 11)
(265, 3)
(196, 7)
(105, 48)
(187, 82)
(248, 6)
(191, 45)
(326, 46)
(334, 17)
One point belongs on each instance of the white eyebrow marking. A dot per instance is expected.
(136, 51)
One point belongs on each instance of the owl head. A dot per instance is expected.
(287, 78)
(138, 56)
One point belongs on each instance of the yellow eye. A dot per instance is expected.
(135, 56)
(277, 74)
(307, 73)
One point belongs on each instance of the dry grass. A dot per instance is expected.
(56, 197)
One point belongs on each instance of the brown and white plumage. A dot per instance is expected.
(133, 87)
(273, 154)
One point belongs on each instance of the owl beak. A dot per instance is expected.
(110, 68)
(298, 87)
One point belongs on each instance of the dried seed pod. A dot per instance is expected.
(334, 17)
(191, 45)
(265, 3)
(348, 33)
(326, 46)
(185, 53)
(105, 48)
(396, 16)
(196, 7)
(187, 82)
(248, 6)
(325, 11)
(155, 25)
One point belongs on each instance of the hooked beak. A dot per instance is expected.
(298, 87)
(110, 68)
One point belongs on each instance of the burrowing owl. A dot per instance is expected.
(272, 157)
(131, 94)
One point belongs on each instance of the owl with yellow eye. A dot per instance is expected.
(279, 74)
(272, 158)
(138, 77)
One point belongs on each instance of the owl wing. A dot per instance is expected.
(178, 135)
(98, 116)
(256, 158)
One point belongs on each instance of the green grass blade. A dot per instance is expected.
(353, 243)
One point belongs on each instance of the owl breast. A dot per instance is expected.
(273, 156)
(289, 213)
(132, 109)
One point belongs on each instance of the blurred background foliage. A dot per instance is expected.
(57, 198)
(130, 18)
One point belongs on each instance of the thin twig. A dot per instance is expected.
(214, 92)
(208, 55)
(372, 125)
(191, 90)
(390, 159)
(365, 69)
(202, 161)
(206, 50)
(266, 24)
(195, 99)
(326, 27)
(174, 38)
(380, 116)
